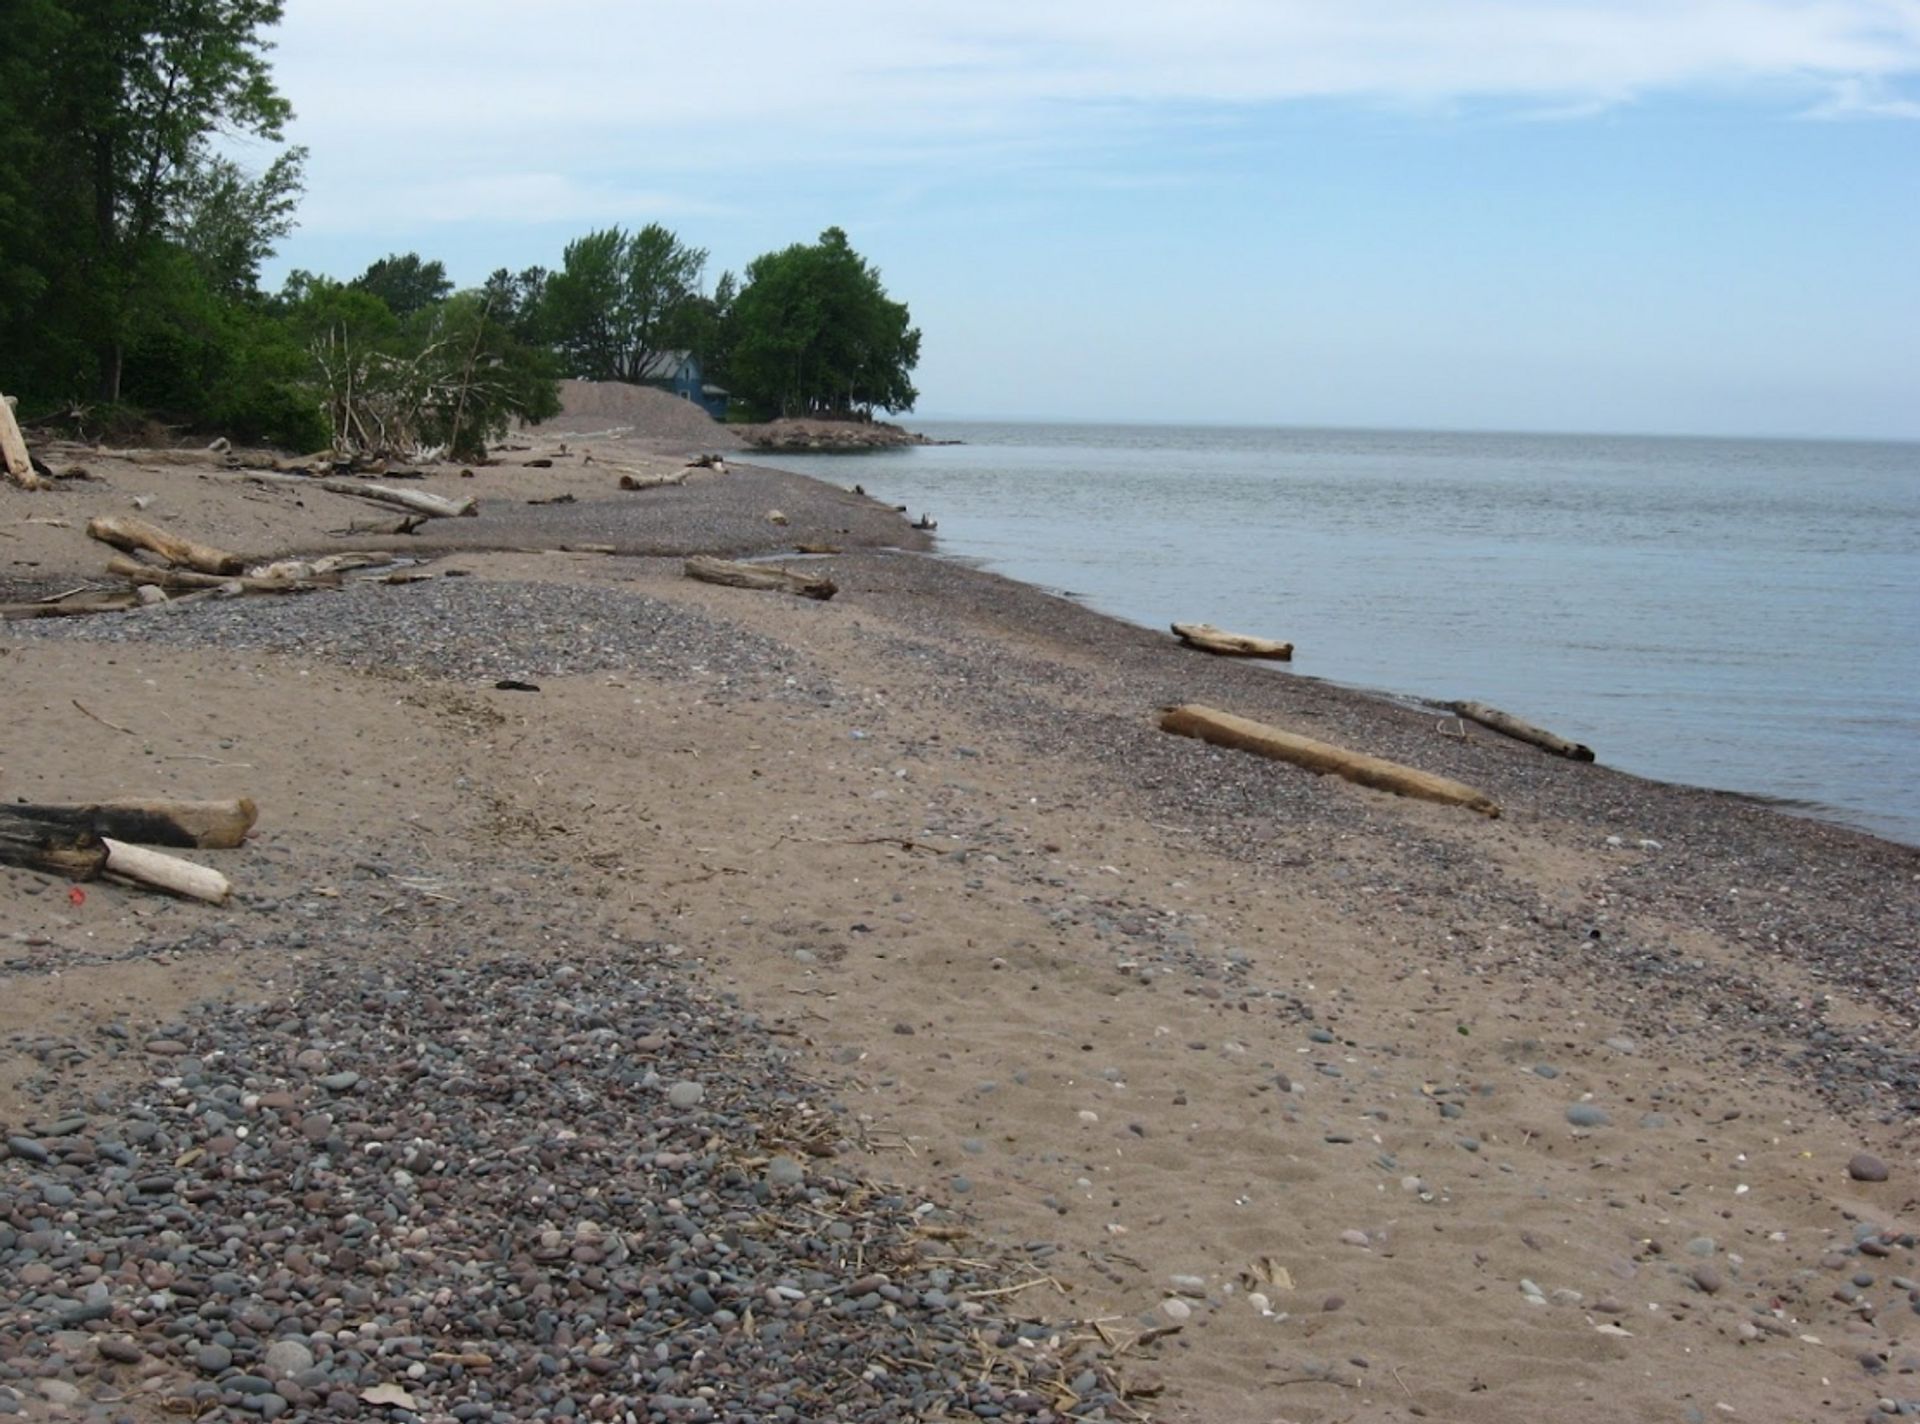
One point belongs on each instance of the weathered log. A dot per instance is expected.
(760, 576)
(1226, 730)
(131, 534)
(122, 567)
(166, 872)
(20, 612)
(645, 482)
(1209, 639)
(15, 462)
(206, 825)
(1509, 725)
(418, 501)
(50, 844)
(326, 564)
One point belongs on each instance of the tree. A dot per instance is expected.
(228, 222)
(814, 332)
(143, 85)
(406, 283)
(611, 306)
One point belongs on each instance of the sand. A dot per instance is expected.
(1396, 1111)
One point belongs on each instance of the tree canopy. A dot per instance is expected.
(813, 331)
(132, 244)
(611, 306)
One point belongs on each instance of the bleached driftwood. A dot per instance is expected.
(1509, 725)
(207, 825)
(18, 612)
(644, 482)
(166, 872)
(417, 501)
(760, 576)
(1209, 639)
(303, 569)
(1243, 734)
(15, 462)
(127, 533)
(186, 579)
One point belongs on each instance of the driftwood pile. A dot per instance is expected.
(83, 842)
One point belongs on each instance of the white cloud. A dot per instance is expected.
(488, 95)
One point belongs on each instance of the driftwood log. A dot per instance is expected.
(760, 576)
(206, 825)
(165, 872)
(645, 482)
(15, 463)
(434, 506)
(131, 534)
(16, 612)
(1241, 733)
(138, 573)
(1209, 639)
(1509, 725)
(55, 845)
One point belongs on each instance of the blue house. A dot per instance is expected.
(679, 372)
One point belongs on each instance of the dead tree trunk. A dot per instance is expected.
(1226, 730)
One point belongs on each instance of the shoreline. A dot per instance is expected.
(1204, 1027)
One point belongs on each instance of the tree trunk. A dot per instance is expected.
(1226, 730)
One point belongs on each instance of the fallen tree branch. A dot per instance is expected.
(434, 506)
(1241, 733)
(760, 576)
(138, 573)
(1509, 725)
(18, 612)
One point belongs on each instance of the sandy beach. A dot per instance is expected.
(1147, 1079)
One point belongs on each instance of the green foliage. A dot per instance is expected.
(611, 307)
(406, 283)
(814, 332)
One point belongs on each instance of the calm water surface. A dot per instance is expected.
(1730, 613)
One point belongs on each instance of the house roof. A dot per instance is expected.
(664, 365)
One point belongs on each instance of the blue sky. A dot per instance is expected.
(1558, 214)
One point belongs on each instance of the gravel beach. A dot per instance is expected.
(778, 1009)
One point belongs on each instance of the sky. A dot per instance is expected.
(1659, 216)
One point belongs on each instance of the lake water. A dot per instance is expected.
(1742, 614)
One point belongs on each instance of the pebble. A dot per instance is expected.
(1587, 1115)
(1865, 1167)
(686, 1095)
(1708, 1279)
(786, 1172)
